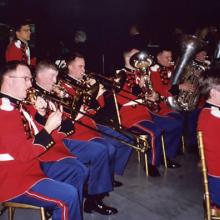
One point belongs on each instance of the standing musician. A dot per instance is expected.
(93, 154)
(46, 174)
(144, 119)
(19, 49)
(209, 124)
(76, 69)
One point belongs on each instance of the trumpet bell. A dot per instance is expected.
(141, 60)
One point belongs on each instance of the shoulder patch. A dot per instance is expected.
(215, 112)
(154, 68)
(6, 105)
(18, 44)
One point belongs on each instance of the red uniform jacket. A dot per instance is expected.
(130, 112)
(19, 164)
(161, 84)
(209, 124)
(19, 51)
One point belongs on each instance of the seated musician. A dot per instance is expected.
(161, 74)
(34, 169)
(209, 124)
(199, 64)
(147, 120)
(19, 49)
(92, 154)
(76, 71)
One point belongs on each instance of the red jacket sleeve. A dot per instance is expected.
(14, 141)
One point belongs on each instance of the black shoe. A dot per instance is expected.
(153, 171)
(48, 215)
(172, 164)
(98, 206)
(117, 183)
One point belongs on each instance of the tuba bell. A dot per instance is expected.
(216, 58)
(185, 67)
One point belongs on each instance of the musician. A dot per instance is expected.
(19, 49)
(161, 74)
(148, 121)
(201, 64)
(209, 124)
(92, 154)
(76, 69)
(46, 174)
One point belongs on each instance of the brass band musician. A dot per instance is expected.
(76, 138)
(76, 70)
(138, 118)
(46, 174)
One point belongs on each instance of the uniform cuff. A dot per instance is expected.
(44, 139)
(67, 127)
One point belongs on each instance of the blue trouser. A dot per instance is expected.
(95, 157)
(154, 133)
(214, 189)
(55, 196)
(111, 153)
(122, 151)
(68, 170)
(172, 125)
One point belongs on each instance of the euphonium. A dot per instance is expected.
(186, 69)
(188, 100)
(141, 61)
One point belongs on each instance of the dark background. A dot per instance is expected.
(106, 22)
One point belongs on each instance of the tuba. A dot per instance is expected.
(187, 71)
(141, 61)
(216, 58)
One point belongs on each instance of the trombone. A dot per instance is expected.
(72, 111)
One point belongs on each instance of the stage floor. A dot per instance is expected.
(176, 195)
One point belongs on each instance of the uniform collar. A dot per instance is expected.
(210, 105)
(39, 89)
(15, 102)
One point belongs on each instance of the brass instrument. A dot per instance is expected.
(188, 100)
(116, 82)
(190, 45)
(33, 93)
(141, 61)
(113, 84)
(140, 143)
(216, 58)
(87, 91)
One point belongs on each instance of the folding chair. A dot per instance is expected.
(11, 206)
(210, 213)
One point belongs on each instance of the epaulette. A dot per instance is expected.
(215, 111)
(6, 105)
(154, 68)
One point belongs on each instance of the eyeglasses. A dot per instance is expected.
(26, 78)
